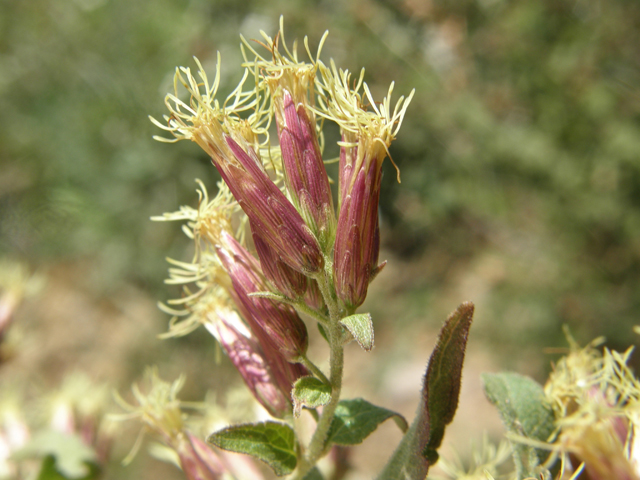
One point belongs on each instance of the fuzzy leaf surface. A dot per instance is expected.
(323, 332)
(444, 375)
(309, 392)
(273, 443)
(356, 419)
(521, 403)
(314, 474)
(361, 327)
(440, 392)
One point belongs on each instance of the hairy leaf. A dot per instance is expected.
(356, 419)
(361, 327)
(309, 392)
(444, 375)
(440, 391)
(521, 403)
(272, 442)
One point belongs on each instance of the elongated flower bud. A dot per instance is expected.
(358, 238)
(284, 278)
(233, 145)
(197, 459)
(269, 211)
(313, 297)
(291, 84)
(366, 135)
(279, 321)
(305, 175)
(248, 357)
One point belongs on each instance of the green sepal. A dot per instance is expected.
(440, 392)
(356, 419)
(309, 392)
(520, 400)
(361, 327)
(273, 443)
(323, 332)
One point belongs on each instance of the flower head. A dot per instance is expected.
(161, 412)
(234, 145)
(366, 136)
(224, 273)
(596, 399)
(248, 357)
(291, 84)
(278, 321)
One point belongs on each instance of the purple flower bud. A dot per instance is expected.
(269, 211)
(197, 459)
(247, 356)
(278, 321)
(305, 176)
(348, 156)
(284, 278)
(313, 297)
(358, 234)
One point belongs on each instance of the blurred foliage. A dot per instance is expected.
(519, 154)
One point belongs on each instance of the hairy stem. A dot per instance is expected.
(314, 369)
(316, 447)
(304, 308)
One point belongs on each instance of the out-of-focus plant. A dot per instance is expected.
(70, 438)
(16, 283)
(307, 256)
(582, 424)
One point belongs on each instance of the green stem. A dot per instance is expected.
(304, 308)
(316, 447)
(314, 369)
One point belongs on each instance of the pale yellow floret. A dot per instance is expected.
(485, 465)
(279, 71)
(80, 395)
(370, 127)
(284, 70)
(245, 115)
(159, 409)
(595, 396)
(203, 107)
(205, 282)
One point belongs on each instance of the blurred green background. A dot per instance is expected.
(520, 161)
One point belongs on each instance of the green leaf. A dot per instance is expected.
(309, 392)
(524, 411)
(356, 419)
(49, 471)
(444, 375)
(440, 391)
(323, 332)
(361, 327)
(313, 474)
(69, 454)
(273, 443)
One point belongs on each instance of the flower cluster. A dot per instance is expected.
(308, 256)
(596, 400)
(161, 413)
